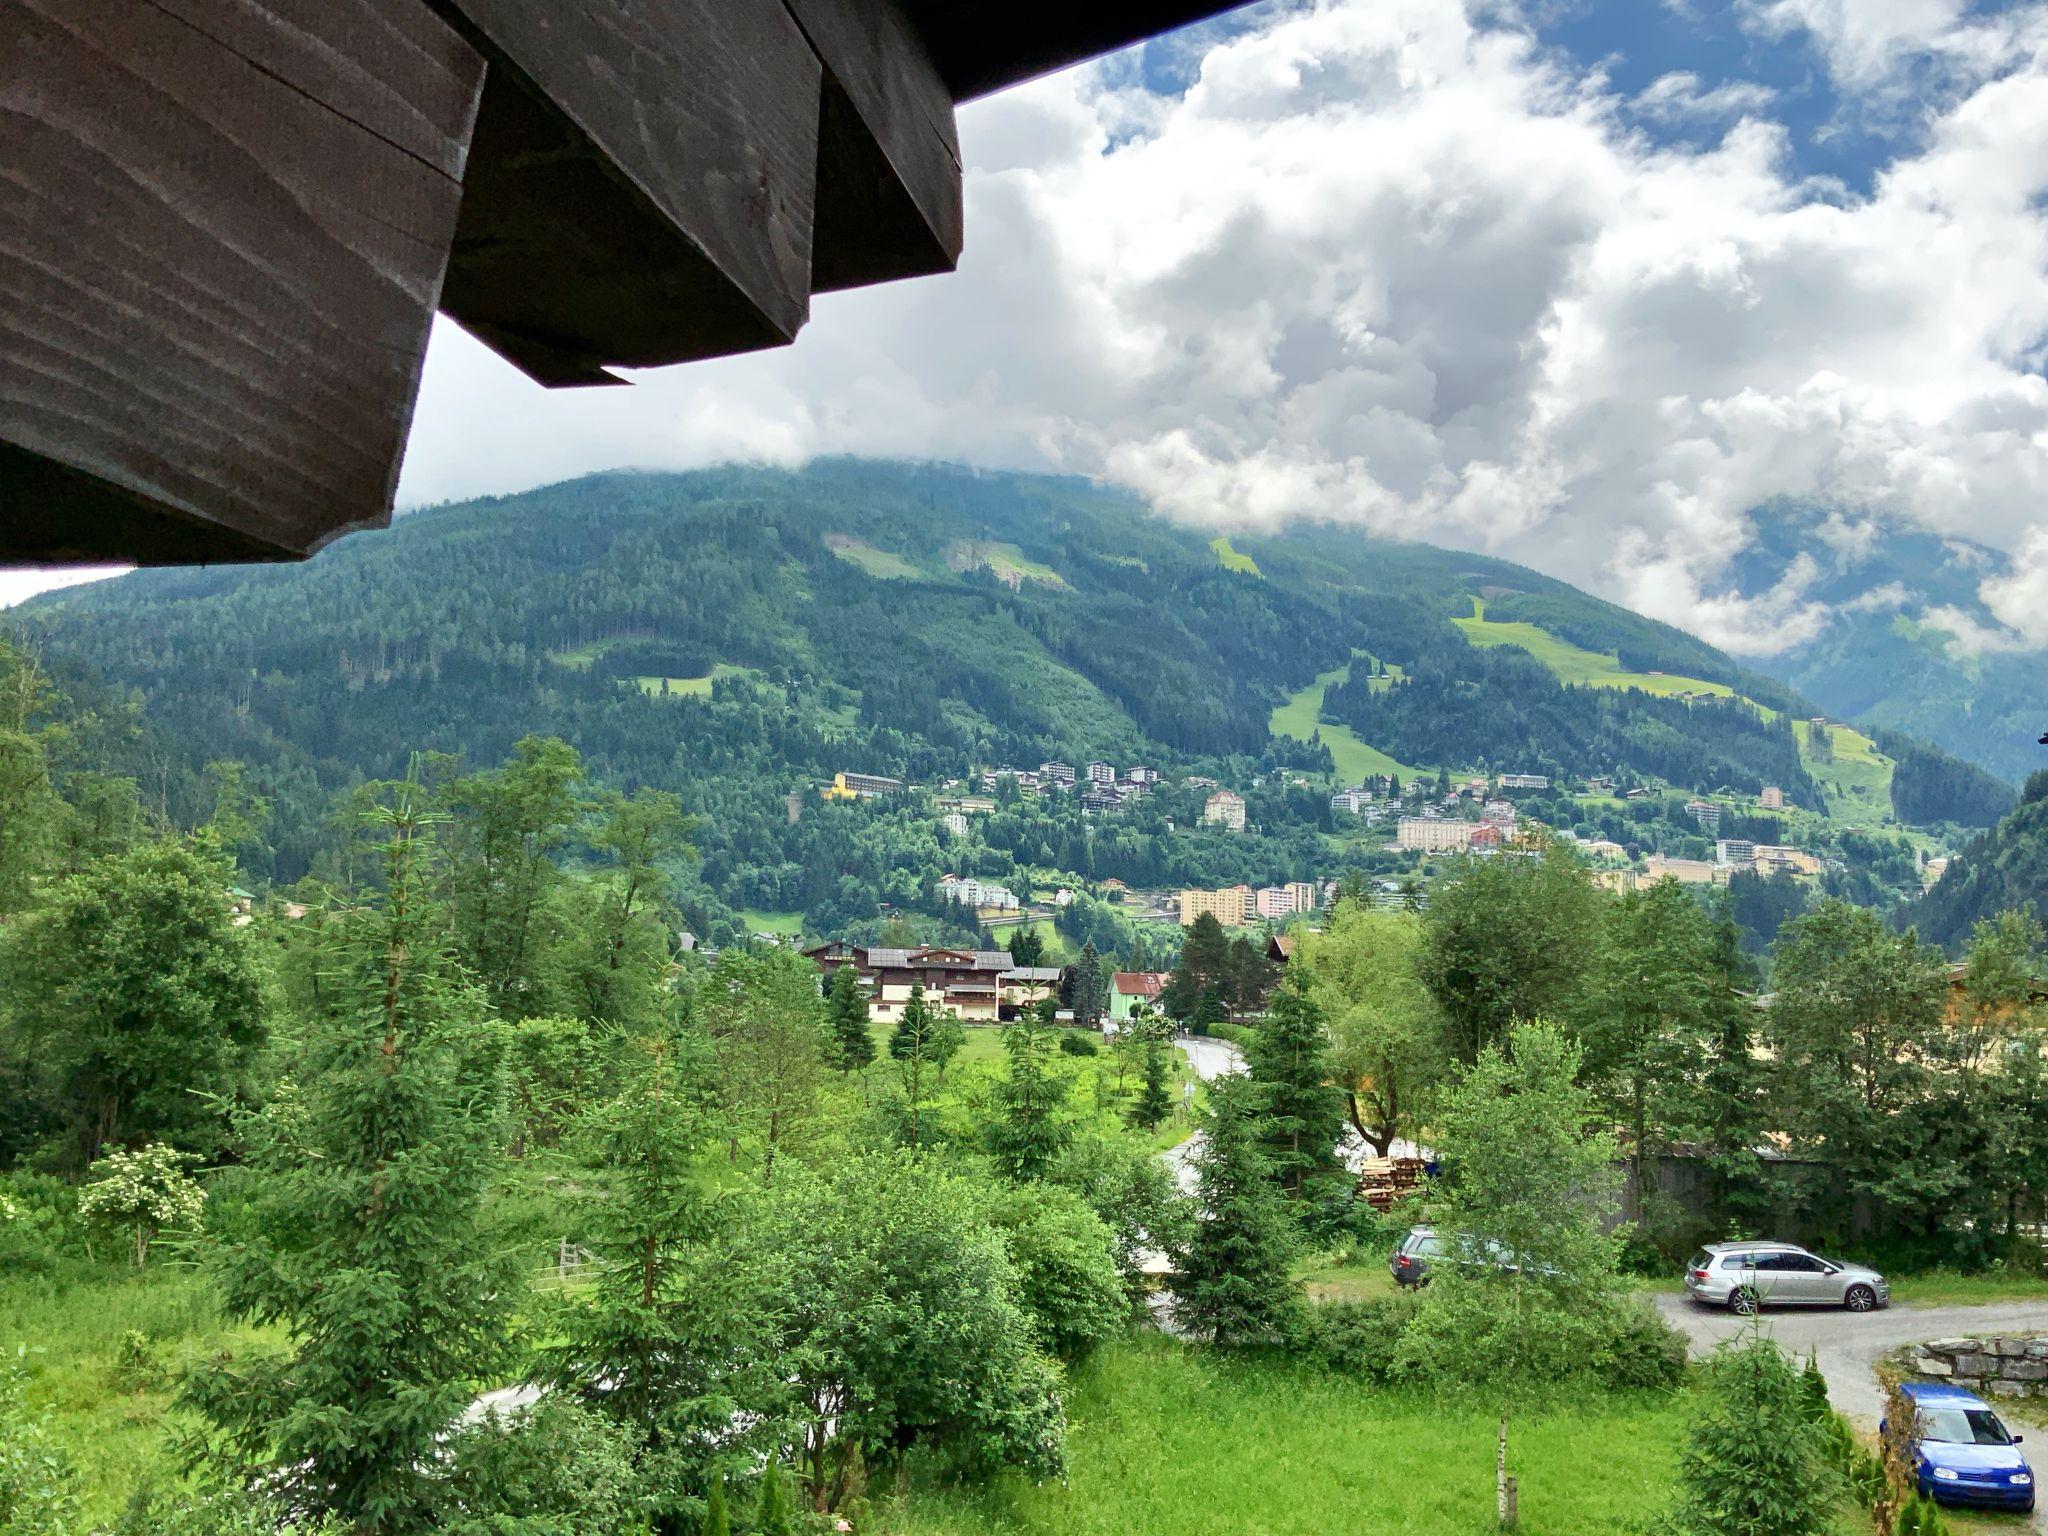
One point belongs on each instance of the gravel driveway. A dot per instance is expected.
(1849, 1344)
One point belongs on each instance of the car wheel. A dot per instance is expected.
(1742, 1301)
(1860, 1298)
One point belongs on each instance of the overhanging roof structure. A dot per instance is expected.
(226, 224)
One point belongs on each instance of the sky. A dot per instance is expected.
(1581, 283)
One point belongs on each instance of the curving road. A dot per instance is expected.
(1848, 1345)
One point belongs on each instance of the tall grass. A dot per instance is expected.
(1169, 1438)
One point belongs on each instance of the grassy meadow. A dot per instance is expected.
(1168, 1439)
(1356, 760)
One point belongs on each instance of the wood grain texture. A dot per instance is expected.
(641, 186)
(888, 201)
(223, 226)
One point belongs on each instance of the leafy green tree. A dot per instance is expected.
(672, 1325)
(1068, 1279)
(1300, 1113)
(1530, 1295)
(509, 825)
(617, 961)
(899, 1325)
(1755, 1461)
(137, 995)
(555, 1067)
(1200, 972)
(141, 1194)
(1386, 1032)
(1856, 1012)
(1027, 944)
(846, 1021)
(1030, 1127)
(764, 1013)
(1233, 1283)
(1508, 939)
(1649, 1018)
(1733, 1088)
(364, 1244)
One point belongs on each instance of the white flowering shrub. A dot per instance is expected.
(9, 1211)
(142, 1193)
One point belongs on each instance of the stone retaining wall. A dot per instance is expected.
(2007, 1366)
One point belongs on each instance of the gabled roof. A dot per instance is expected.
(1138, 983)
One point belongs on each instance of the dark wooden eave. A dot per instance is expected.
(225, 225)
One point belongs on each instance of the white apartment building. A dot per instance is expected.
(1224, 809)
(1432, 834)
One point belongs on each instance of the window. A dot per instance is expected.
(1963, 1426)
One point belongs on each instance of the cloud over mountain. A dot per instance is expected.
(1396, 263)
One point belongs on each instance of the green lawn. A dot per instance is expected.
(1571, 663)
(1005, 561)
(876, 562)
(1356, 760)
(788, 923)
(1946, 1288)
(692, 687)
(1168, 1439)
(1345, 1276)
(1856, 776)
(1233, 559)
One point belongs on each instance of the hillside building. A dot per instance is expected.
(954, 823)
(1131, 990)
(1773, 798)
(1225, 808)
(1101, 773)
(978, 894)
(1706, 813)
(1684, 871)
(1734, 850)
(1524, 781)
(977, 986)
(1499, 813)
(1485, 838)
(1229, 906)
(1056, 775)
(1285, 900)
(861, 786)
(1431, 834)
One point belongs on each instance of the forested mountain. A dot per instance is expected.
(1895, 651)
(2005, 868)
(739, 635)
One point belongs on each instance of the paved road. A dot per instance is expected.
(1210, 1059)
(1848, 1344)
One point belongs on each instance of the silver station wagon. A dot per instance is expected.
(1744, 1276)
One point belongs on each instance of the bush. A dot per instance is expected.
(38, 1221)
(1067, 1275)
(1642, 1353)
(1361, 1338)
(1074, 1042)
(560, 1466)
(1239, 1035)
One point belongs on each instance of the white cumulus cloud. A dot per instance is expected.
(1387, 264)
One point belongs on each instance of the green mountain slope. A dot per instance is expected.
(743, 634)
(2006, 867)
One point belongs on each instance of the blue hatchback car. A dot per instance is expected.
(1963, 1453)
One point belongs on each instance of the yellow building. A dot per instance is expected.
(1227, 906)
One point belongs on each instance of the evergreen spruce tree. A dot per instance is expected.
(1300, 1112)
(1029, 1130)
(773, 1517)
(1755, 1463)
(846, 1021)
(673, 1323)
(1154, 1102)
(1233, 1283)
(915, 1046)
(717, 1522)
(366, 1250)
(1091, 988)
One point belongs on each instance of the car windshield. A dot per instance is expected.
(1962, 1426)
